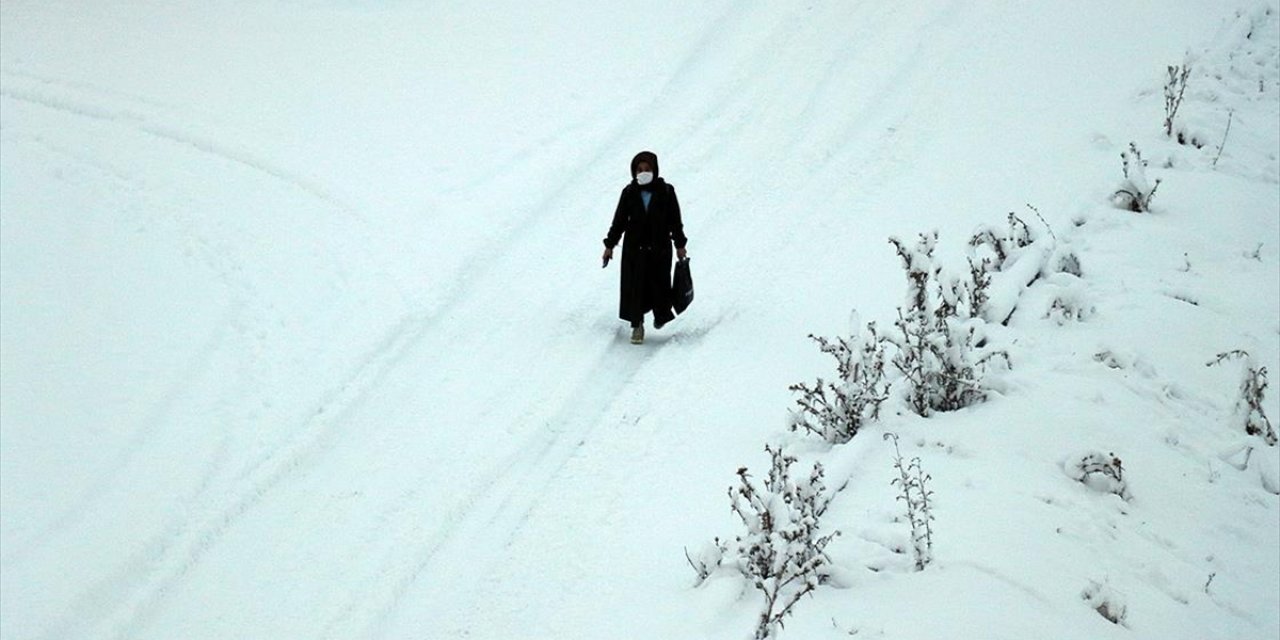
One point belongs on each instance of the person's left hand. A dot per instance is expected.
(681, 253)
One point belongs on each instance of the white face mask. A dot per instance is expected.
(644, 177)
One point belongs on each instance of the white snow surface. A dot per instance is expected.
(304, 333)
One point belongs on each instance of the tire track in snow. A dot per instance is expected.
(175, 554)
(492, 510)
(145, 117)
(182, 549)
(103, 481)
(496, 501)
(60, 96)
(171, 555)
(491, 515)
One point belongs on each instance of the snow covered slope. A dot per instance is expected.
(303, 332)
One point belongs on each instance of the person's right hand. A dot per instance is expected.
(608, 254)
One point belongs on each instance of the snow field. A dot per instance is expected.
(304, 335)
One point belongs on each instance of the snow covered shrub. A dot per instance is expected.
(1066, 309)
(1100, 472)
(1070, 263)
(939, 346)
(1005, 263)
(912, 482)
(999, 245)
(1252, 388)
(837, 410)
(1070, 300)
(1106, 601)
(1135, 192)
(782, 553)
(937, 366)
(1175, 87)
(707, 559)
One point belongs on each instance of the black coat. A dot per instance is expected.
(647, 237)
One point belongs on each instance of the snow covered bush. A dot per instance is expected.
(782, 553)
(1252, 388)
(940, 344)
(1099, 471)
(1005, 263)
(1002, 245)
(1070, 300)
(991, 251)
(1070, 263)
(1136, 191)
(837, 410)
(912, 482)
(706, 560)
(1106, 601)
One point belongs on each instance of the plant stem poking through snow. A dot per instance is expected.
(1046, 224)
(912, 481)
(1174, 89)
(1256, 254)
(781, 554)
(1252, 389)
(1231, 114)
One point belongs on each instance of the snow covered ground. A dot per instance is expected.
(303, 332)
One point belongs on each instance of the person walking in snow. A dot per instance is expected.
(647, 221)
